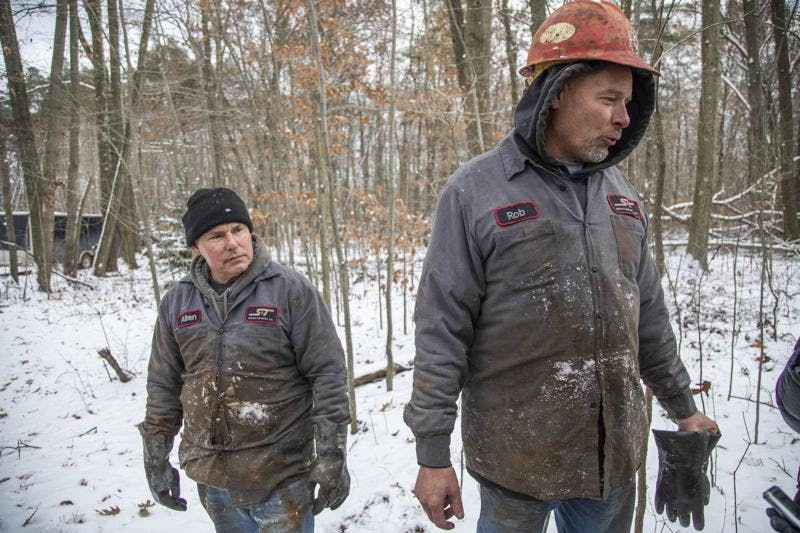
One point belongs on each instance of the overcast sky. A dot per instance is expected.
(34, 32)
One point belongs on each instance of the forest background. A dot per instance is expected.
(339, 122)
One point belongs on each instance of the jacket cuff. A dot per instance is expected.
(434, 452)
(679, 406)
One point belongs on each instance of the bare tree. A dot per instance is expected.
(471, 33)
(790, 175)
(26, 148)
(72, 203)
(8, 208)
(511, 52)
(321, 142)
(391, 201)
(706, 133)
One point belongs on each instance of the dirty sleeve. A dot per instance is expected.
(659, 364)
(164, 413)
(319, 354)
(451, 287)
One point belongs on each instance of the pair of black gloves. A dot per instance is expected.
(683, 488)
(328, 471)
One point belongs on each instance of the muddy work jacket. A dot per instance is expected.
(249, 385)
(546, 316)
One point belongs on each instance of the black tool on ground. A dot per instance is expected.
(786, 509)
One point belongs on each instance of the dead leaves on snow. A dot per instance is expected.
(110, 511)
(143, 508)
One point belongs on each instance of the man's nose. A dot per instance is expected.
(230, 241)
(621, 118)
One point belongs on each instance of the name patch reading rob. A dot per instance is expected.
(261, 314)
(189, 318)
(511, 214)
(622, 205)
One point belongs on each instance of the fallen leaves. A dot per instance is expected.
(143, 508)
(703, 387)
(110, 511)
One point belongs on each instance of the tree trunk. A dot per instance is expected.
(470, 33)
(73, 215)
(136, 199)
(538, 14)
(700, 223)
(127, 219)
(103, 135)
(321, 140)
(210, 87)
(757, 160)
(26, 144)
(511, 54)
(52, 151)
(114, 224)
(790, 179)
(390, 193)
(8, 208)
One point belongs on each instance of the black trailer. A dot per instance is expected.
(89, 237)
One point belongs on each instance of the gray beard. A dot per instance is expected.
(594, 151)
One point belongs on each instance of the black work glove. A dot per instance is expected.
(329, 469)
(682, 487)
(162, 478)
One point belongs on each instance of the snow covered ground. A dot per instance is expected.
(70, 456)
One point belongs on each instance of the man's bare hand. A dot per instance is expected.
(438, 493)
(698, 422)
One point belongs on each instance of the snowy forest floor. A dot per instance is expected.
(70, 455)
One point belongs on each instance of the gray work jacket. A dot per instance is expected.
(247, 386)
(546, 316)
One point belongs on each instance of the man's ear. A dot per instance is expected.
(195, 250)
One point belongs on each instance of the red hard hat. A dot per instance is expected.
(588, 30)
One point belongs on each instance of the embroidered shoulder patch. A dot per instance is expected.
(622, 205)
(261, 314)
(189, 318)
(511, 214)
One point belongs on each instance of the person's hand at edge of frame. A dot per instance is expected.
(439, 494)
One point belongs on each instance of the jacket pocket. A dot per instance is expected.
(629, 234)
(525, 256)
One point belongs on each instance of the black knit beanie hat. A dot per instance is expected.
(207, 208)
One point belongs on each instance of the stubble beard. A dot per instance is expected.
(595, 151)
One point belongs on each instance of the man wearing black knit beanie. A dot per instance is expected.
(241, 349)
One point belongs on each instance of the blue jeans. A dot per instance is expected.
(502, 513)
(288, 510)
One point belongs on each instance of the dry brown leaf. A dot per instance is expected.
(111, 511)
(704, 387)
(66, 502)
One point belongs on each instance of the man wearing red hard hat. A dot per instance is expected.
(540, 304)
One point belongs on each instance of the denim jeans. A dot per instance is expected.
(502, 513)
(288, 510)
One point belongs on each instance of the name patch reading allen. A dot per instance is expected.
(189, 318)
(511, 214)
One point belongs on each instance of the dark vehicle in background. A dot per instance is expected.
(91, 226)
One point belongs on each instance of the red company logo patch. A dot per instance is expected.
(511, 214)
(261, 314)
(622, 205)
(189, 318)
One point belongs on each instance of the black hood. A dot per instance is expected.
(533, 112)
